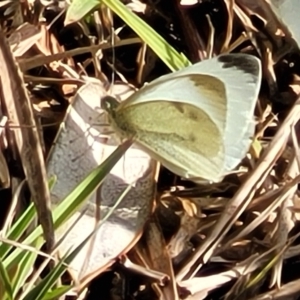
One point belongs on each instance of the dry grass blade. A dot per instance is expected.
(286, 292)
(39, 60)
(4, 173)
(159, 259)
(229, 5)
(23, 38)
(243, 196)
(19, 111)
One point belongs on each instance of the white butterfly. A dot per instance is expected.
(198, 122)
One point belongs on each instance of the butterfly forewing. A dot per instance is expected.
(242, 75)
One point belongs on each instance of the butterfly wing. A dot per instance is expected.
(241, 74)
(180, 135)
(225, 87)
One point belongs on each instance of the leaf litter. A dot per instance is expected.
(237, 239)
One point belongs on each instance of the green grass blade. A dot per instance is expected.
(44, 286)
(25, 267)
(79, 9)
(6, 282)
(57, 292)
(20, 226)
(174, 60)
(74, 200)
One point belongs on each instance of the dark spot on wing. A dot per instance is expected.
(179, 107)
(192, 137)
(192, 115)
(243, 62)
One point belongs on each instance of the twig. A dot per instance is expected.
(19, 111)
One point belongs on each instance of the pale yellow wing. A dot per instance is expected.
(181, 136)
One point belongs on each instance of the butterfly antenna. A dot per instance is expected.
(113, 54)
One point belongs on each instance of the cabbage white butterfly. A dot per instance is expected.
(198, 122)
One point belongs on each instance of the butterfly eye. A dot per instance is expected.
(109, 103)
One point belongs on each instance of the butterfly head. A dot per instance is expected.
(109, 104)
